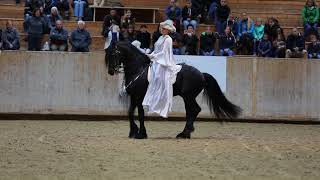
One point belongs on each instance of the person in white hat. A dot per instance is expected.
(162, 74)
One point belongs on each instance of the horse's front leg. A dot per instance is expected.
(134, 130)
(142, 132)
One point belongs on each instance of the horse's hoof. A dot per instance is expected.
(184, 135)
(133, 133)
(141, 135)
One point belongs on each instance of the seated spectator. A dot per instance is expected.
(295, 45)
(265, 47)
(173, 12)
(176, 43)
(189, 15)
(79, 7)
(190, 41)
(155, 36)
(271, 27)
(10, 37)
(130, 34)
(245, 34)
(63, 8)
(108, 20)
(200, 8)
(227, 42)
(36, 28)
(127, 19)
(258, 33)
(310, 16)
(232, 22)
(207, 42)
(222, 15)
(58, 37)
(47, 6)
(213, 9)
(279, 45)
(80, 38)
(314, 47)
(53, 17)
(144, 37)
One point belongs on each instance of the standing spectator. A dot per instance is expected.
(189, 15)
(36, 29)
(265, 47)
(190, 41)
(227, 42)
(58, 37)
(127, 19)
(279, 44)
(295, 45)
(173, 12)
(245, 34)
(80, 38)
(213, 9)
(271, 27)
(310, 17)
(222, 15)
(207, 42)
(53, 17)
(258, 33)
(63, 7)
(10, 37)
(314, 47)
(79, 7)
(144, 37)
(108, 20)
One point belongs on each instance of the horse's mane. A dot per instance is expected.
(133, 52)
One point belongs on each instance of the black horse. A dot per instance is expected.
(189, 83)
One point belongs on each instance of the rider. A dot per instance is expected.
(158, 98)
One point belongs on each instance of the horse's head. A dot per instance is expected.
(114, 59)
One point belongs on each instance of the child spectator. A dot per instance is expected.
(227, 42)
(271, 27)
(189, 15)
(108, 20)
(310, 16)
(79, 7)
(63, 8)
(222, 15)
(10, 37)
(173, 12)
(265, 47)
(80, 38)
(258, 33)
(279, 45)
(58, 38)
(245, 34)
(314, 47)
(207, 42)
(53, 17)
(190, 41)
(295, 45)
(144, 37)
(127, 19)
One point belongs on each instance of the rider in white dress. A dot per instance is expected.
(158, 98)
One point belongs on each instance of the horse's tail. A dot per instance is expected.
(217, 102)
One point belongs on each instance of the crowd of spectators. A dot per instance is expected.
(242, 35)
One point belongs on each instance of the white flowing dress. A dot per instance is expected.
(158, 98)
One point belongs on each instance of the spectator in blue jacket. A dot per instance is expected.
(53, 17)
(58, 37)
(222, 14)
(265, 47)
(80, 38)
(295, 45)
(314, 47)
(227, 42)
(10, 37)
(245, 34)
(173, 12)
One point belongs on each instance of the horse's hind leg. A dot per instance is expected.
(142, 132)
(134, 130)
(192, 111)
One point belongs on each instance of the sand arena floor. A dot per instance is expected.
(101, 150)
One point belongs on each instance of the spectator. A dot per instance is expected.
(176, 43)
(79, 7)
(279, 45)
(63, 8)
(36, 28)
(17, 2)
(189, 15)
(58, 37)
(265, 47)
(232, 22)
(207, 42)
(156, 35)
(222, 15)
(295, 45)
(310, 16)
(200, 8)
(47, 6)
(80, 38)
(53, 17)
(258, 33)
(314, 47)
(227, 42)
(10, 37)
(31, 5)
(130, 35)
(108, 20)
(271, 27)
(127, 19)
(144, 37)
(173, 12)
(213, 9)
(190, 41)
(245, 34)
